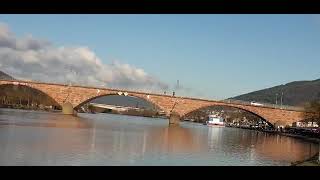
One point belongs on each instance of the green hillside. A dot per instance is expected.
(295, 93)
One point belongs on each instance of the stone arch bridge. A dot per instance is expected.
(174, 107)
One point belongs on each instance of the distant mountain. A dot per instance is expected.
(5, 76)
(295, 93)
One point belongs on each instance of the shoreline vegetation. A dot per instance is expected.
(32, 108)
(141, 113)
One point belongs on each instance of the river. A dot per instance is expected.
(44, 138)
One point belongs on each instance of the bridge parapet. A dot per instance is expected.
(268, 105)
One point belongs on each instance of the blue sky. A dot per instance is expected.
(217, 56)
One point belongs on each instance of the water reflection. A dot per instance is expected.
(175, 139)
(51, 119)
(34, 138)
(257, 145)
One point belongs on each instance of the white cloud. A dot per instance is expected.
(35, 59)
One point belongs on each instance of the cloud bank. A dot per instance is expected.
(29, 58)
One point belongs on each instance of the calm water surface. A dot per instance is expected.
(41, 138)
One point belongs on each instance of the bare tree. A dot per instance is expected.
(312, 111)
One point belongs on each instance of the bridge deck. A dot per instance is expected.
(233, 102)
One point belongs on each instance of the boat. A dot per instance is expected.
(214, 120)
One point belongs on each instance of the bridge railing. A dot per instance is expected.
(286, 107)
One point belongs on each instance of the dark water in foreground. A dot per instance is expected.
(41, 138)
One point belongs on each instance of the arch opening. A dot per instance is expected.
(120, 104)
(233, 116)
(26, 97)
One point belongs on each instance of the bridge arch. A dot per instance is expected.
(139, 96)
(229, 106)
(174, 107)
(38, 91)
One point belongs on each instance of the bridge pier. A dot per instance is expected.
(174, 119)
(67, 109)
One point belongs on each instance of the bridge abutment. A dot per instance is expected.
(67, 109)
(174, 119)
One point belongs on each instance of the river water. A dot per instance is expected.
(43, 138)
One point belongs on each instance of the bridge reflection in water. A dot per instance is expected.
(32, 138)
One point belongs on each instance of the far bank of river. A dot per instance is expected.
(32, 108)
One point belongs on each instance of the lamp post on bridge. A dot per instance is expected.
(70, 69)
(281, 98)
(176, 89)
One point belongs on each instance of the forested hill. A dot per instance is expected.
(295, 93)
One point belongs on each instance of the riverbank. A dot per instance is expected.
(303, 137)
(29, 108)
(313, 161)
(25, 107)
(309, 139)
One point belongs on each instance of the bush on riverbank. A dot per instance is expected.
(314, 107)
(34, 108)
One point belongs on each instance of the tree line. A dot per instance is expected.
(312, 111)
(24, 96)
